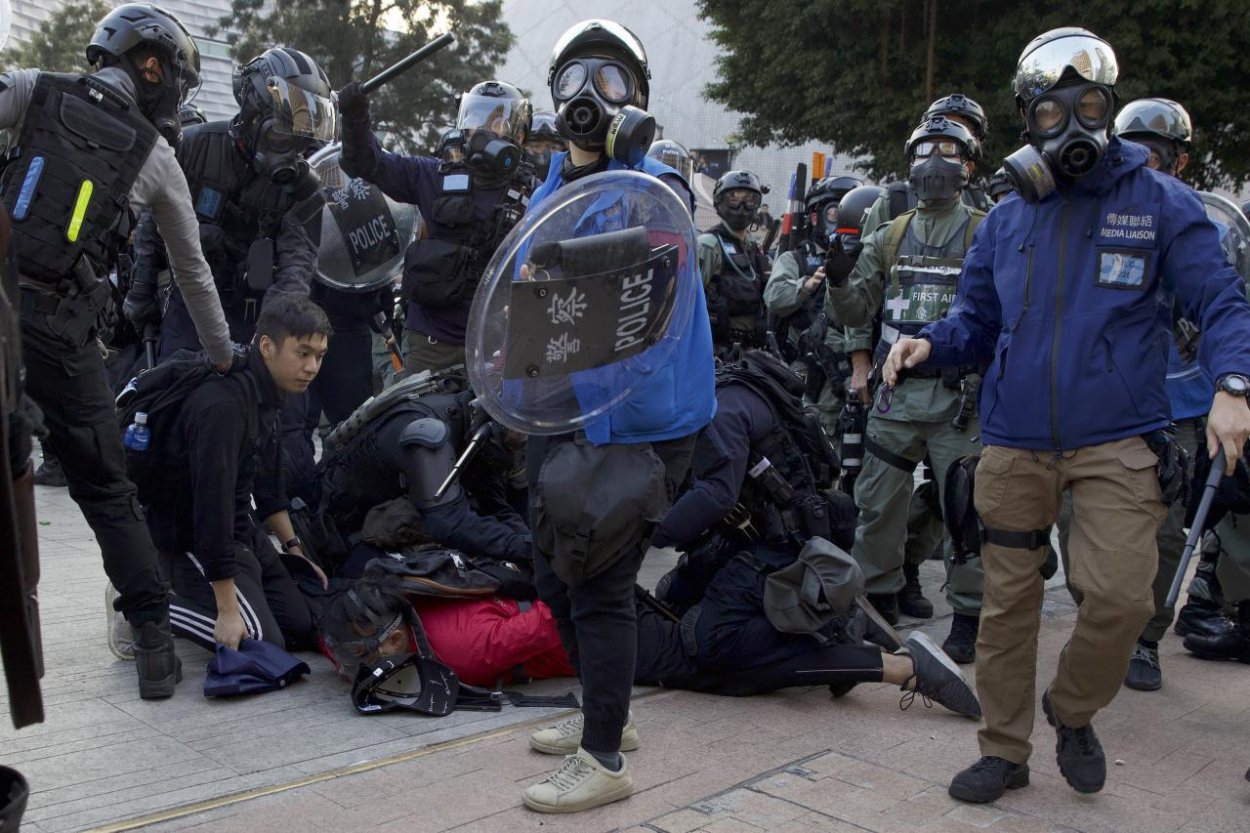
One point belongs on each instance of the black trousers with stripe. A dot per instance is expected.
(270, 603)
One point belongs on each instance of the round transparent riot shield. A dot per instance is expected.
(584, 303)
(1234, 230)
(364, 233)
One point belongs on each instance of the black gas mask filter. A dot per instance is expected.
(491, 156)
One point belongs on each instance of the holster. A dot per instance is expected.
(76, 316)
(1173, 466)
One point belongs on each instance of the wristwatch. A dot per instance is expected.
(292, 544)
(1234, 383)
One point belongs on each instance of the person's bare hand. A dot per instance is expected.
(861, 368)
(904, 355)
(1228, 427)
(811, 284)
(229, 629)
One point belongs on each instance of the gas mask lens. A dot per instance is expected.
(570, 81)
(612, 81)
(831, 216)
(1048, 116)
(1092, 107)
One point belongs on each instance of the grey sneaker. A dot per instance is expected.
(938, 678)
(565, 738)
(121, 636)
(580, 783)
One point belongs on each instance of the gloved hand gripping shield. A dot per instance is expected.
(583, 301)
(364, 233)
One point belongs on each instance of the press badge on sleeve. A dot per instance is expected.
(1123, 268)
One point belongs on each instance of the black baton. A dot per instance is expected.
(1196, 528)
(400, 67)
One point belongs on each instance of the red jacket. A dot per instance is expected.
(483, 640)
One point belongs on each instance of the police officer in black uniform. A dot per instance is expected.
(257, 201)
(734, 267)
(406, 441)
(469, 199)
(543, 141)
(89, 150)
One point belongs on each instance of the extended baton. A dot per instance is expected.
(479, 437)
(149, 345)
(1196, 528)
(398, 68)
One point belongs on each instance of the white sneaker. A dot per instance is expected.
(565, 737)
(121, 636)
(579, 784)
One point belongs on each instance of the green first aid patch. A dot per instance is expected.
(920, 302)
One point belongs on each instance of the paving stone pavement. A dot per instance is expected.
(792, 761)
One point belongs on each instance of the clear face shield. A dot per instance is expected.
(298, 112)
(504, 117)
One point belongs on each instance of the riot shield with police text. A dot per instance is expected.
(583, 302)
(364, 233)
(1234, 230)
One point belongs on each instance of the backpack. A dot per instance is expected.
(160, 393)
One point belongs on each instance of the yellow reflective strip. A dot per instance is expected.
(80, 210)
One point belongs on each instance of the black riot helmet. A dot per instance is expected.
(599, 81)
(823, 198)
(1159, 123)
(851, 211)
(544, 139)
(938, 151)
(959, 107)
(494, 121)
(125, 34)
(737, 197)
(286, 106)
(1064, 86)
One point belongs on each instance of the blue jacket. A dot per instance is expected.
(1070, 303)
(679, 396)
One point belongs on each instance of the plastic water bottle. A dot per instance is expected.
(138, 435)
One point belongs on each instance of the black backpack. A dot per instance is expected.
(160, 393)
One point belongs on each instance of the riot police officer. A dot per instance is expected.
(469, 200)
(900, 196)
(257, 201)
(734, 267)
(673, 154)
(806, 335)
(405, 442)
(544, 140)
(91, 149)
(907, 272)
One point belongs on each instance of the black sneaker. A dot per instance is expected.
(988, 779)
(886, 604)
(1202, 617)
(1144, 673)
(50, 473)
(158, 666)
(961, 645)
(911, 600)
(937, 678)
(1231, 644)
(1080, 755)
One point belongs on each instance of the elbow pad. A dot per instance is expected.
(428, 459)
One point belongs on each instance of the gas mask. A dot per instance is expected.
(159, 102)
(278, 155)
(1067, 131)
(491, 158)
(593, 113)
(938, 180)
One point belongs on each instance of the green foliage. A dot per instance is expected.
(348, 39)
(60, 44)
(852, 73)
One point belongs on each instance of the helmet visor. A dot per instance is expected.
(1090, 57)
(506, 117)
(609, 33)
(301, 113)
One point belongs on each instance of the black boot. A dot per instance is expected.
(159, 667)
(13, 794)
(1233, 643)
(961, 645)
(1078, 752)
(886, 604)
(1202, 617)
(50, 472)
(911, 600)
(988, 779)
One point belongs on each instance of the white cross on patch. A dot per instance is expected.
(897, 307)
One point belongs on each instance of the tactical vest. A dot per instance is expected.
(922, 278)
(359, 476)
(788, 469)
(67, 180)
(245, 207)
(443, 271)
(901, 198)
(740, 282)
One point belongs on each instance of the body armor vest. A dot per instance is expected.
(921, 281)
(444, 271)
(68, 178)
(740, 282)
(790, 467)
(360, 475)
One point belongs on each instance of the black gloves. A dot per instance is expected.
(840, 258)
(139, 306)
(353, 102)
